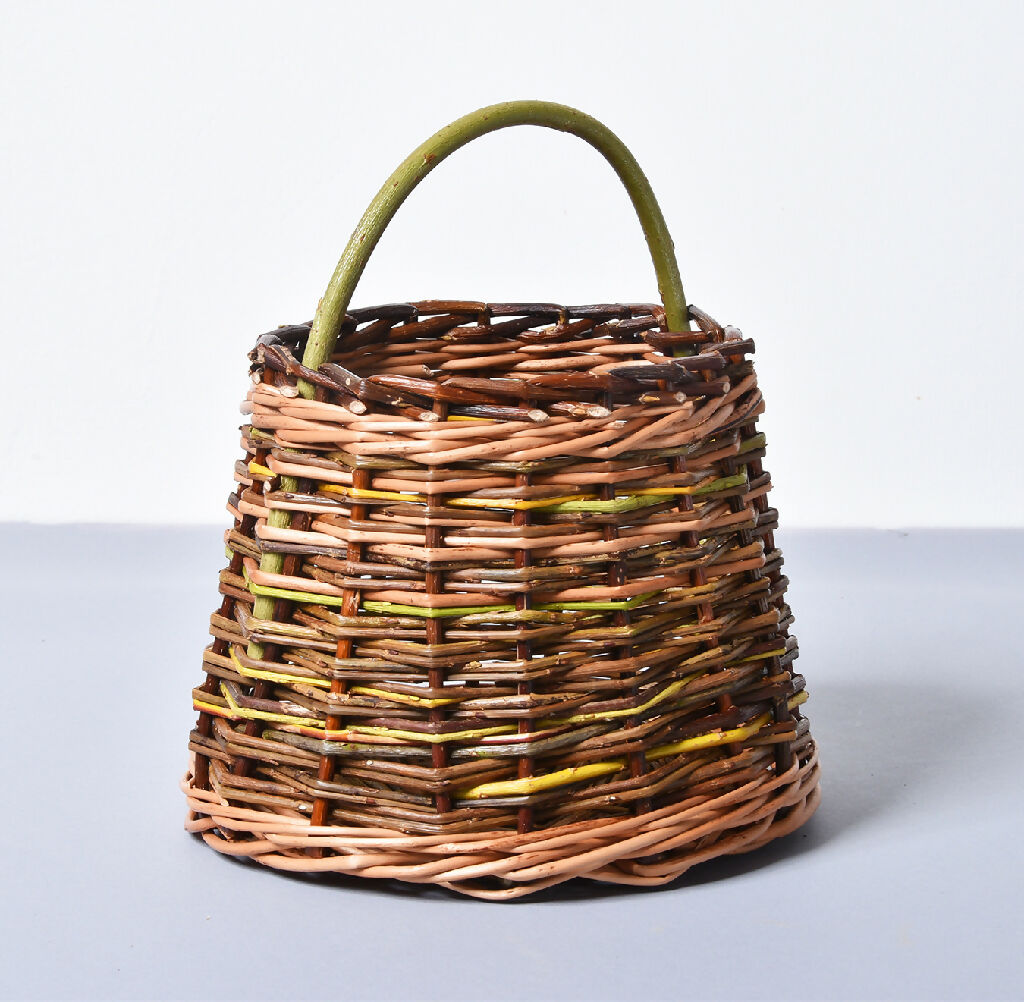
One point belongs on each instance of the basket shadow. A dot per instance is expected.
(876, 755)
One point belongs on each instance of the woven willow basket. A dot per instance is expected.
(503, 605)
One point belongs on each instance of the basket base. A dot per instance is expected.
(646, 850)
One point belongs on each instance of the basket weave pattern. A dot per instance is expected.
(530, 622)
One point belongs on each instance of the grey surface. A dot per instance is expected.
(907, 884)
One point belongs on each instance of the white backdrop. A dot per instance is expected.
(843, 183)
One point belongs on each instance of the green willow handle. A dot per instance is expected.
(330, 313)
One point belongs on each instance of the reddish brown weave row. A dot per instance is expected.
(530, 621)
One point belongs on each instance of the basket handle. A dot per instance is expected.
(330, 313)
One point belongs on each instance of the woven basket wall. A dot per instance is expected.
(527, 620)
(565, 619)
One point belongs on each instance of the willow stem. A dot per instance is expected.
(271, 563)
(330, 314)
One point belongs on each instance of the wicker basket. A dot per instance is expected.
(503, 605)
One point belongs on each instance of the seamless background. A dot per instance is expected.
(842, 181)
